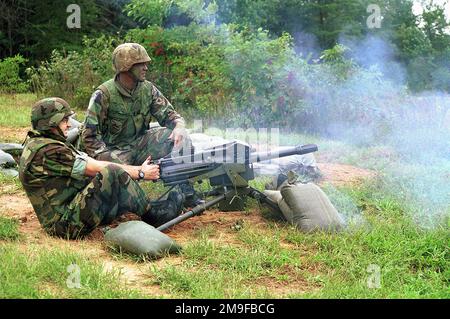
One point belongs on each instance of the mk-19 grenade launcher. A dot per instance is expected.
(229, 168)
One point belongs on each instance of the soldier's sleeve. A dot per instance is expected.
(58, 160)
(93, 125)
(163, 110)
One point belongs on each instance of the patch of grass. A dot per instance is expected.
(387, 255)
(214, 270)
(154, 190)
(38, 273)
(406, 260)
(9, 229)
(9, 184)
(411, 263)
(15, 109)
(260, 182)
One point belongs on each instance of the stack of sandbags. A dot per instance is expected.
(8, 165)
(141, 239)
(306, 206)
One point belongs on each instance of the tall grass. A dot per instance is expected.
(15, 110)
(38, 273)
(9, 184)
(384, 255)
(9, 229)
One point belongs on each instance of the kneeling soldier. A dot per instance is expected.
(73, 193)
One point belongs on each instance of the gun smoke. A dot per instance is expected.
(406, 135)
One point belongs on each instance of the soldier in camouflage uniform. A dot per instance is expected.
(117, 122)
(73, 193)
(116, 127)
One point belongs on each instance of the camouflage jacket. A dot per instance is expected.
(116, 117)
(52, 174)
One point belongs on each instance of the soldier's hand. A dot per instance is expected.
(151, 171)
(178, 135)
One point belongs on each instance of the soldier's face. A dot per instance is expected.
(139, 70)
(64, 126)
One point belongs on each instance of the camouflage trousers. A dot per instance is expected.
(155, 143)
(111, 193)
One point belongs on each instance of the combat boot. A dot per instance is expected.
(165, 210)
(191, 197)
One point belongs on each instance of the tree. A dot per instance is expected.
(33, 28)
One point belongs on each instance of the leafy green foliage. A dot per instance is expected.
(36, 28)
(75, 75)
(221, 72)
(10, 81)
(148, 12)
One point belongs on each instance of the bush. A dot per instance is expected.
(219, 73)
(237, 78)
(188, 66)
(75, 75)
(10, 81)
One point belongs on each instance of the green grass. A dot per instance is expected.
(9, 229)
(41, 273)
(9, 184)
(15, 110)
(413, 261)
(212, 269)
(388, 230)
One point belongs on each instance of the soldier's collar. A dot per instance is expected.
(48, 134)
(124, 91)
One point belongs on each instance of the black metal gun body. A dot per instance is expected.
(228, 167)
(182, 169)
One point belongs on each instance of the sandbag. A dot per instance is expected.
(6, 160)
(9, 172)
(13, 149)
(274, 196)
(139, 238)
(308, 208)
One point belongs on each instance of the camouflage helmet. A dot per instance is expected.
(127, 54)
(49, 112)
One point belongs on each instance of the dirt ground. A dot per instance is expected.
(135, 274)
(10, 135)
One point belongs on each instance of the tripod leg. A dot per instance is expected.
(262, 198)
(195, 211)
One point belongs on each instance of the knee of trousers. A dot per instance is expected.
(112, 174)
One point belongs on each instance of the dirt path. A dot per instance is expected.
(13, 135)
(339, 174)
(135, 274)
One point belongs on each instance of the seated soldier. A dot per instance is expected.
(117, 124)
(73, 193)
